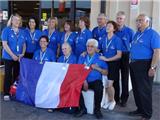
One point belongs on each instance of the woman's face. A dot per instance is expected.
(81, 24)
(16, 21)
(110, 28)
(43, 43)
(67, 27)
(51, 23)
(66, 49)
(32, 24)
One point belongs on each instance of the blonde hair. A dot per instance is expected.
(56, 21)
(9, 23)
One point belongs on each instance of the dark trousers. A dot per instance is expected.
(97, 87)
(11, 74)
(142, 86)
(28, 55)
(124, 70)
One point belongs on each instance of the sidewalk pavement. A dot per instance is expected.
(18, 111)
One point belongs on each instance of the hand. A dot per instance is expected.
(20, 56)
(15, 58)
(94, 66)
(84, 54)
(85, 86)
(103, 58)
(151, 72)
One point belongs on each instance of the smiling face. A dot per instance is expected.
(32, 24)
(51, 23)
(66, 49)
(141, 22)
(67, 27)
(101, 20)
(16, 21)
(43, 43)
(110, 28)
(81, 24)
(120, 20)
(91, 49)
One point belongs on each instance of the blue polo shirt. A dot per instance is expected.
(94, 74)
(32, 40)
(98, 33)
(126, 36)
(81, 40)
(47, 55)
(70, 39)
(144, 43)
(14, 41)
(71, 59)
(110, 47)
(54, 39)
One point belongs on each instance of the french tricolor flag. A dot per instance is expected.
(50, 85)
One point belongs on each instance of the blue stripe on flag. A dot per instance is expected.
(30, 72)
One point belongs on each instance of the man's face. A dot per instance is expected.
(120, 20)
(101, 20)
(141, 22)
(91, 49)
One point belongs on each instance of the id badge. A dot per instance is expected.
(17, 48)
(86, 67)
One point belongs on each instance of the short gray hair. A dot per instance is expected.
(92, 41)
(147, 19)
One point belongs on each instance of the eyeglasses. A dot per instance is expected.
(90, 46)
(139, 20)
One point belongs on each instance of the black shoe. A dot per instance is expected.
(135, 113)
(80, 113)
(98, 115)
(143, 118)
(123, 104)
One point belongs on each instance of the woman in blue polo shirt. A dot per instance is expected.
(111, 49)
(53, 35)
(68, 35)
(83, 35)
(32, 37)
(44, 53)
(13, 41)
(68, 56)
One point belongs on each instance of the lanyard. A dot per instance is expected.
(42, 55)
(66, 37)
(16, 34)
(66, 59)
(140, 35)
(108, 44)
(32, 35)
(89, 61)
(49, 35)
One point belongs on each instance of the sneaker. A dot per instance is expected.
(106, 105)
(6, 98)
(112, 105)
(98, 115)
(50, 110)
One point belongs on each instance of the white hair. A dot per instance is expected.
(103, 15)
(92, 41)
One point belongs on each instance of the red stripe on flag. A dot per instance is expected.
(71, 86)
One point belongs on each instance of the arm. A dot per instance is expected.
(117, 56)
(103, 71)
(23, 51)
(8, 50)
(155, 59)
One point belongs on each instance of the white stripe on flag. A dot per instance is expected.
(48, 87)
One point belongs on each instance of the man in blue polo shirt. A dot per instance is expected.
(94, 79)
(99, 31)
(125, 34)
(145, 53)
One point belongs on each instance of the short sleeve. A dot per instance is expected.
(155, 40)
(4, 35)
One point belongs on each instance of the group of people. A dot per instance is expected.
(107, 50)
